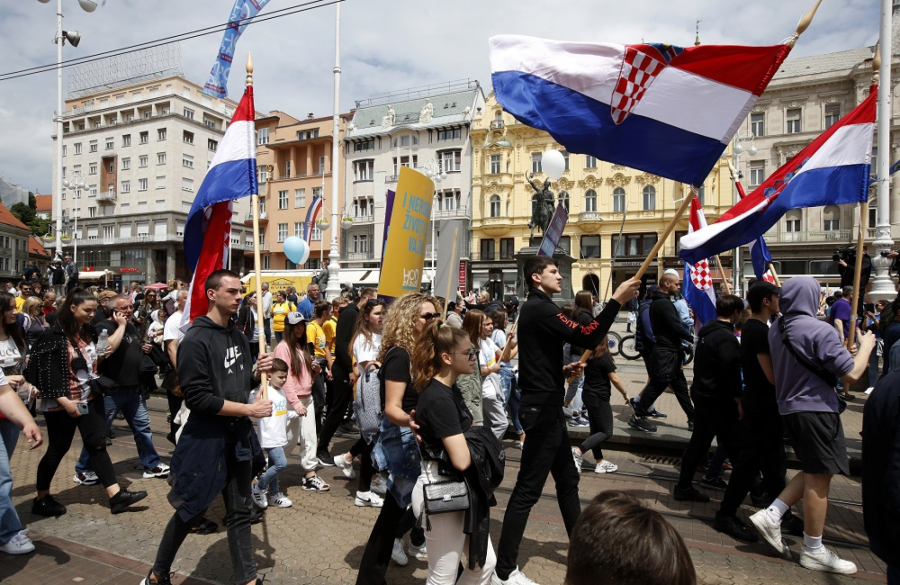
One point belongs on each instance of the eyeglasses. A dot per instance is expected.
(429, 316)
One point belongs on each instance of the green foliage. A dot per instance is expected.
(32, 201)
(39, 227)
(23, 213)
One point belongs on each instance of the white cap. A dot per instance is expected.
(671, 271)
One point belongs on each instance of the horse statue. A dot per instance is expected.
(541, 205)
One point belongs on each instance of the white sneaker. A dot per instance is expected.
(345, 466)
(869, 389)
(397, 553)
(824, 559)
(769, 529)
(259, 496)
(161, 470)
(282, 501)
(379, 484)
(578, 457)
(606, 467)
(517, 577)
(20, 544)
(370, 499)
(86, 478)
(419, 552)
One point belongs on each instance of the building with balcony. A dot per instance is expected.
(299, 152)
(603, 200)
(143, 150)
(416, 128)
(16, 243)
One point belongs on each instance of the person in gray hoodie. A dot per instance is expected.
(808, 358)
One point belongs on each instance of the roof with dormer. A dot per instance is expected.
(449, 109)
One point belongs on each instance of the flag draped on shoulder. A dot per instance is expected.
(231, 175)
(697, 282)
(832, 170)
(242, 13)
(666, 110)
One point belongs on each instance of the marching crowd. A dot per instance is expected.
(431, 397)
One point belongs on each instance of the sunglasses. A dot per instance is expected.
(429, 316)
(471, 354)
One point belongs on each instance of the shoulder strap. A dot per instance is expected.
(824, 375)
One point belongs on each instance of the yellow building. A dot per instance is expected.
(602, 200)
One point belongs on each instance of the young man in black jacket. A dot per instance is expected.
(218, 443)
(664, 363)
(543, 329)
(716, 391)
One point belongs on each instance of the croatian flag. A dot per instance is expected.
(311, 215)
(666, 110)
(698, 285)
(207, 232)
(832, 170)
(760, 258)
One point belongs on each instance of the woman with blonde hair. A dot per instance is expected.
(33, 320)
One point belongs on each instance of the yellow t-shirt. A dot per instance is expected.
(330, 328)
(279, 312)
(19, 302)
(316, 335)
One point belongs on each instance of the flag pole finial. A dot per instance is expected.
(249, 69)
(803, 24)
(876, 64)
(697, 37)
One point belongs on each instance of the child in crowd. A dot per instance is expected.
(273, 438)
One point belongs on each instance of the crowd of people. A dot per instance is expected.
(431, 394)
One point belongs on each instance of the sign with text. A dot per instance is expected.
(554, 231)
(404, 252)
(463, 275)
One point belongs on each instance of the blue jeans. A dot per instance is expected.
(510, 388)
(129, 402)
(9, 518)
(277, 462)
(873, 367)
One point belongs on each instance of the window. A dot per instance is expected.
(404, 141)
(126, 164)
(65, 149)
(160, 158)
(361, 244)
(405, 161)
(487, 249)
(187, 137)
(143, 228)
(189, 114)
(536, 162)
(450, 161)
(831, 218)
(793, 121)
(126, 187)
(287, 170)
(832, 115)
(263, 173)
(187, 161)
(634, 244)
(619, 200)
(161, 228)
(187, 184)
(564, 199)
(160, 205)
(452, 134)
(262, 239)
(110, 144)
(92, 146)
(362, 170)
(77, 148)
(92, 192)
(161, 134)
(299, 198)
(649, 198)
(282, 232)
(213, 145)
(364, 145)
(495, 164)
(316, 234)
(144, 137)
(283, 199)
(590, 162)
(317, 192)
(590, 246)
(109, 231)
(566, 158)
(701, 195)
(298, 229)
(590, 200)
(792, 221)
(142, 161)
(758, 124)
(757, 173)
(161, 182)
(495, 206)
(92, 169)
(142, 184)
(126, 140)
(93, 233)
(308, 134)
(507, 248)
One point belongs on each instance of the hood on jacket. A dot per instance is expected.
(204, 322)
(800, 296)
(715, 325)
(658, 294)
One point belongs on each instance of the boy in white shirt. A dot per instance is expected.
(273, 438)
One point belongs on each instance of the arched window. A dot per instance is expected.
(564, 199)
(649, 198)
(831, 218)
(619, 200)
(590, 200)
(495, 206)
(792, 221)
(701, 195)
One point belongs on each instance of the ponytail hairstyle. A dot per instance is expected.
(295, 338)
(435, 339)
(472, 325)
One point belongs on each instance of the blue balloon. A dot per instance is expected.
(296, 249)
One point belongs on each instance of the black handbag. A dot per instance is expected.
(443, 497)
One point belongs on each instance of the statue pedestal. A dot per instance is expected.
(563, 263)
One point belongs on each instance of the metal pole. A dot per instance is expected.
(57, 202)
(736, 253)
(334, 287)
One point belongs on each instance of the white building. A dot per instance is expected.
(143, 150)
(412, 128)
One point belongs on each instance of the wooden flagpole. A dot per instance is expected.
(722, 274)
(857, 272)
(449, 279)
(774, 274)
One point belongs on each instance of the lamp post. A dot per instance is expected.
(74, 37)
(333, 289)
(742, 141)
(77, 182)
(433, 171)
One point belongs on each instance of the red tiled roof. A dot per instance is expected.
(35, 247)
(7, 218)
(43, 203)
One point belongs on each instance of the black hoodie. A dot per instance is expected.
(717, 365)
(667, 326)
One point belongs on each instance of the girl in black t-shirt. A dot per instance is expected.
(599, 377)
(442, 354)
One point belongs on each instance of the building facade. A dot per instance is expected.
(15, 246)
(143, 150)
(616, 214)
(420, 129)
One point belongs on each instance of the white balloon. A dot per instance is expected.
(553, 164)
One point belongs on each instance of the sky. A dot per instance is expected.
(386, 46)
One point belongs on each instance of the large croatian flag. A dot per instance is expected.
(231, 175)
(832, 170)
(697, 282)
(311, 213)
(662, 109)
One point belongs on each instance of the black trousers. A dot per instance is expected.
(236, 496)
(341, 395)
(760, 448)
(61, 430)
(714, 417)
(318, 395)
(665, 370)
(393, 522)
(546, 451)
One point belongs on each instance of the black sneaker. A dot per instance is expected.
(793, 525)
(715, 483)
(689, 495)
(160, 580)
(732, 526)
(325, 459)
(120, 502)
(47, 506)
(657, 414)
(641, 425)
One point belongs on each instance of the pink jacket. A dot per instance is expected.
(296, 386)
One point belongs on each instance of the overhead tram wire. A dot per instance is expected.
(289, 11)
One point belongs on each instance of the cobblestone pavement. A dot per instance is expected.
(321, 538)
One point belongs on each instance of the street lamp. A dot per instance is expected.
(77, 182)
(433, 171)
(742, 141)
(74, 37)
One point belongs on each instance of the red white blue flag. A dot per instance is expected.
(666, 110)
(697, 286)
(231, 175)
(759, 253)
(311, 213)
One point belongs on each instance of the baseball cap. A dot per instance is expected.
(295, 318)
(760, 290)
